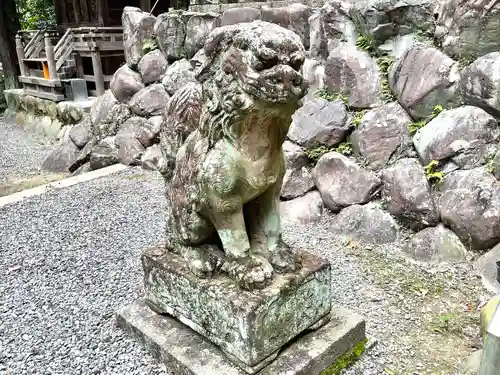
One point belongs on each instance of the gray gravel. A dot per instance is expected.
(70, 258)
(21, 153)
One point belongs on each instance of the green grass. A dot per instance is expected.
(346, 360)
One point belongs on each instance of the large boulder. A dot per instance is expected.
(436, 244)
(304, 210)
(295, 156)
(149, 133)
(170, 33)
(239, 15)
(130, 149)
(106, 114)
(423, 78)
(468, 28)
(150, 101)
(125, 84)
(81, 133)
(104, 154)
(355, 74)
(342, 182)
(198, 27)
(294, 17)
(367, 224)
(138, 29)
(329, 27)
(152, 66)
(61, 158)
(408, 194)
(296, 182)
(470, 205)
(179, 74)
(382, 135)
(153, 159)
(382, 19)
(463, 136)
(319, 122)
(480, 83)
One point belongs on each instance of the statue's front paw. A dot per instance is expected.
(284, 259)
(202, 261)
(250, 273)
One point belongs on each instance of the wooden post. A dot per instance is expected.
(98, 74)
(20, 55)
(51, 62)
(76, 9)
(79, 65)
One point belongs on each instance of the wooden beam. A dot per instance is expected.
(90, 78)
(40, 81)
(102, 12)
(98, 74)
(79, 65)
(85, 11)
(64, 11)
(146, 5)
(45, 95)
(51, 62)
(76, 9)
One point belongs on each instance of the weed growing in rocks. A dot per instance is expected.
(415, 126)
(346, 360)
(384, 64)
(431, 173)
(365, 43)
(357, 117)
(345, 148)
(464, 61)
(326, 94)
(315, 154)
(149, 45)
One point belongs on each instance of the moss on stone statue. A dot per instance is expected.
(346, 360)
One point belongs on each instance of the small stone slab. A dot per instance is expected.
(249, 326)
(487, 266)
(184, 351)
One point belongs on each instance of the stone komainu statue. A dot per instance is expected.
(226, 146)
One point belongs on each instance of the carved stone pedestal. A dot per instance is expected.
(237, 327)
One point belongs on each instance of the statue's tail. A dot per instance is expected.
(182, 117)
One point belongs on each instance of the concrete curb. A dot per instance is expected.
(70, 181)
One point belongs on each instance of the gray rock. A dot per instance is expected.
(81, 133)
(355, 74)
(106, 114)
(150, 101)
(170, 33)
(367, 223)
(382, 135)
(152, 66)
(314, 73)
(423, 78)
(153, 160)
(239, 15)
(329, 27)
(319, 122)
(61, 158)
(179, 74)
(293, 17)
(305, 209)
(462, 135)
(495, 165)
(342, 182)
(148, 134)
(470, 205)
(487, 268)
(130, 149)
(408, 194)
(104, 154)
(480, 83)
(436, 244)
(383, 19)
(296, 182)
(397, 46)
(138, 28)
(69, 112)
(198, 27)
(468, 28)
(83, 158)
(295, 157)
(125, 84)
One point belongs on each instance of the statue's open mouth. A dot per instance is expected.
(279, 84)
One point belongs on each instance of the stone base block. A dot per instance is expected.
(249, 326)
(184, 351)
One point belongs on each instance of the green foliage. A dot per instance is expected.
(346, 360)
(431, 173)
(384, 63)
(326, 94)
(345, 148)
(414, 126)
(149, 45)
(464, 61)
(387, 93)
(36, 14)
(356, 118)
(443, 323)
(365, 43)
(316, 153)
(490, 166)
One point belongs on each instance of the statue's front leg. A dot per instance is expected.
(264, 226)
(248, 270)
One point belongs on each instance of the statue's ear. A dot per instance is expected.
(219, 40)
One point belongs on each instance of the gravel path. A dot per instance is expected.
(70, 258)
(21, 154)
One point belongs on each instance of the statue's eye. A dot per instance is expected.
(296, 63)
(268, 63)
(258, 65)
